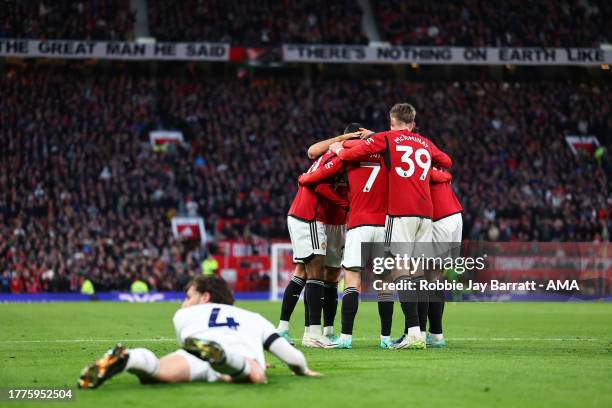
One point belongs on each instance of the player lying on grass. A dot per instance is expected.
(219, 342)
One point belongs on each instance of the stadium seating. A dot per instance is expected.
(257, 23)
(82, 193)
(551, 23)
(64, 19)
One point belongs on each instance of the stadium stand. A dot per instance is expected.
(84, 194)
(257, 23)
(64, 19)
(550, 23)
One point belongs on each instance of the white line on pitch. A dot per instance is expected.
(159, 339)
(168, 339)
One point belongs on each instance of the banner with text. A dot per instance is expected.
(445, 55)
(195, 51)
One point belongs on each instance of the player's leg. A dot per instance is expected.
(448, 233)
(423, 248)
(403, 234)
(350, 305)
(353, 261)
(314, 295)
(290, 299)
(224, 360)
(173, 368)
(315, 288)
(377, 246)
(309, 243)
(333, 261)
(330, 300)
(385, 313)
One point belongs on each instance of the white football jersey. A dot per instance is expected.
(235, 329)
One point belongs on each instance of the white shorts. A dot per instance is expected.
(403, 232)
(354, 238)
(199, 370)
(446, 234)
(335, 245)
(307, 238)
(448, 229)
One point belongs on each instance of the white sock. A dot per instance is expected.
(437, 337)
(328, 331)
(414, 331)
(142, 361)
(346, 336)
(314, 330)
(385, 338)
(283, 325)
(235, 365)
(423, 335)
(306, 330)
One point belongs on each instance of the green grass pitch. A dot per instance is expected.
(498, 354)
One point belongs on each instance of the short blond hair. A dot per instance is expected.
(404, 112)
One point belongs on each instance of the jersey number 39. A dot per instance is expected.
(422, 158)
(230, 322)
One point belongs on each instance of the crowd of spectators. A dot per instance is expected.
(512, 23)
(83, 194)
(66, 19)
(551, 23)
(258, 23)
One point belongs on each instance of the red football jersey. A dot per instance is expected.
(306, 205)
(334, 202)
(409, 157)
(367, 188)
(443, 197)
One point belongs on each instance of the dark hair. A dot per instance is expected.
(404, 112)
(216, 287)
(352, 127)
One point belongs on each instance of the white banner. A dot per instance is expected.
(189, 228)
(196, 51)
(585, 144)
(445, 55)
(162, 137)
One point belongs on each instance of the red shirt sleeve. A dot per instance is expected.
(326, 191)
(439, 158)
(375, 144)
(325, 171)
(438, 176)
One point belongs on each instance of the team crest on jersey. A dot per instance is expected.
(324, 245)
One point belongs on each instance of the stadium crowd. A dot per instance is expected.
(512, 23)
(577, 23)
(67, 20)
(257, 23)
(83, 193)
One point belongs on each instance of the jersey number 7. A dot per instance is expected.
(230, 322)
(375, 169)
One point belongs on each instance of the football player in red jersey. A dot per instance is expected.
(307, 230)
(335, 214)
(409, 214)
(368, 207)
(447, 231)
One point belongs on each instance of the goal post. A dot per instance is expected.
(281, 268)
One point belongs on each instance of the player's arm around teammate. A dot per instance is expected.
(319, 148)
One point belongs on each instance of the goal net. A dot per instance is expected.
(281, 269)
